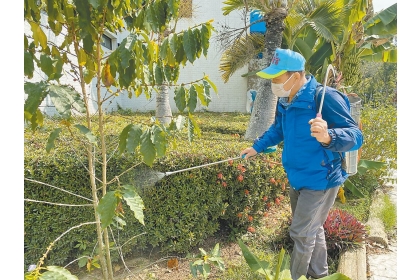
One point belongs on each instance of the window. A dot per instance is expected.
(106, 42)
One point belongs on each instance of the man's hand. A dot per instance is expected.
(248, 152)
(319, 130)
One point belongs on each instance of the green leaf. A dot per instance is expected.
(206, 270)
(121, 223)
(216, 250)
(134, 201)
(39, 36)
(211, 84)
(204, 98)
(125, 56)
(95, 3)
(365, 164)
(192, 100)
(57, 273)
(354, 190)
(167, 70)
(85, 19)
(255, 264)
(205, 37)
(86, 132)
(147, 149)
(179, 98)
(180, 122)
(163, 49)
(133, 140)
(203, 252)
(64, 98)
(193, 270)
(385, 17)
(36, 94)
(189, 45)
(173, 43)
(198, 43)
(51, 139)
(193, 128)
(122, 144)
(158, 75)
(180, 52)
(282, 266)
(82, 262)
(198, 262)
(159, 140)
(36, 120)
(106, 208)
(318, 57)
(28, 66)
(47, 65)
(89, 71)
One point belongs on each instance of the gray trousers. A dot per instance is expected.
(310, 210)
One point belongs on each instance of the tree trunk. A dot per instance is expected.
(163, 109)
(265, 102)
(263, 111)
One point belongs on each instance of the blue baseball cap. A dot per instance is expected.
(284, 60)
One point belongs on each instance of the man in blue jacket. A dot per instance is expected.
(312, 155)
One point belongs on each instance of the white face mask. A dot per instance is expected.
(278, 89)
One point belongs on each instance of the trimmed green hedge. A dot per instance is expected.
(181, 210)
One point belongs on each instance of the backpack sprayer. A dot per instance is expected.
(355, 105)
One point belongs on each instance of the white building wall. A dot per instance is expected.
(231, 95)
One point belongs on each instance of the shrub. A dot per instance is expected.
(343, 230)
(388, 214)
(380, 135)
(181, 210)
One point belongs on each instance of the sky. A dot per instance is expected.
(382, 4)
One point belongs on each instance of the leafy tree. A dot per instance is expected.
(361, 36)
(150, 56)
(341, 33)
(378, 84)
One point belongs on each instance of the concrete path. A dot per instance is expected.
(383, 264)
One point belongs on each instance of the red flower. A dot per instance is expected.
(251, 229)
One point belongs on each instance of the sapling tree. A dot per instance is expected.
(144, 60)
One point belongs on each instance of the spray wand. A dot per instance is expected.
(267, 151)
(330, 67)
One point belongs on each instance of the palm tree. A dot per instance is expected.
(358, 35)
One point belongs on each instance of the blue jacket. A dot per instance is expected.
(309, 164)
